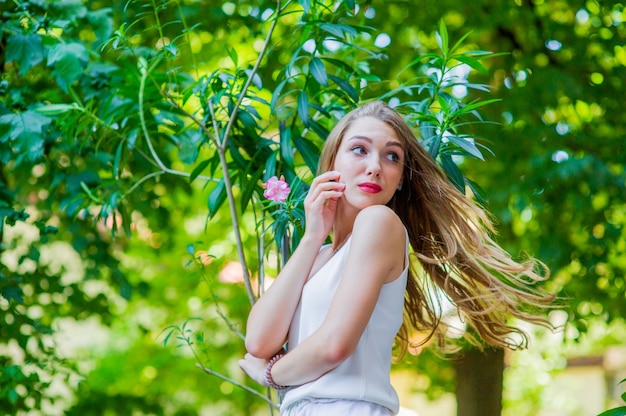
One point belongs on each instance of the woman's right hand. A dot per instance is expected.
(320, 204)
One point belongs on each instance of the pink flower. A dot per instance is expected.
(276, 189)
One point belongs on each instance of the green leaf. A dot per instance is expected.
(350, 4)
(445, 107)
(346, 87)
(308, 153)
(118, 158)
(316, 66)
(91, 195)
(435, 144)
(459, 42)
(232, 53)
(13, 396)
(256, 78)
(62, 51)
(286, 150)
(427, 56)
(453, 171)
(427, 130)
(276, 94)
(25, 50)
(57, 109)
(270, 166)
(442, 39)
(188, 148)
(303, 108)
(102, 23)
(69, 60)
(474, 63)
(167, 337)
(340, 64)
(478, 192)
(198, 169)
(240, 160)
(469, 147)
(12, 293)
(69, 9)
(216, 198)
(468, 108)
(249, 185)
(319, 129)
(248, 121)
(25, 131)
(339, 30)
(618, 411)
(30, 147)
(332, 29)
(306, 5)
(125, 290)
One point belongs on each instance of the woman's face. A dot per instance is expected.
(370, 159)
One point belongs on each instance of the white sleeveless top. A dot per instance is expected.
(365, 374)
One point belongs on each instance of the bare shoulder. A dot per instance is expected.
(380, 237)
(379, 220)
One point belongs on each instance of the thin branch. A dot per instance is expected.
(142, 85)
(261, 243)
(233, 212)
(246, 388)
(191, 116)
(186, 31)
(242, 94)
(230, 324)
(221, 148)
(142, 180)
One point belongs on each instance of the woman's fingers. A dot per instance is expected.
(254, 367)
(325, 186)
(321, 202)
(331, 175)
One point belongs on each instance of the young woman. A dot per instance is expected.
(341, 305)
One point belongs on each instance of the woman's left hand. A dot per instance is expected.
(254, 367)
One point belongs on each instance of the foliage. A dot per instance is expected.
(135, 138)
(617, 411)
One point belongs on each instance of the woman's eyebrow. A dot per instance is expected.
(357, 137)
(393, 143)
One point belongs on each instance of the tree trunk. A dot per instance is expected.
(479, 382)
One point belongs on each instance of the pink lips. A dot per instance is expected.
(370, 188)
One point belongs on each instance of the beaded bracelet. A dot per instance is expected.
(268, 372)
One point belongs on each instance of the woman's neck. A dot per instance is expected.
(344, 222)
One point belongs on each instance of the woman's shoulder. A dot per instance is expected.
(379, 218)
(380, 237)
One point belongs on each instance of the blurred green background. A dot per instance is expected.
(119, 270)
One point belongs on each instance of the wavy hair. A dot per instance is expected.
(453, 248)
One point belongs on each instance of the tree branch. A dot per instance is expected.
(242, 94)
(233, 212)
(192, 117)
(246, 388)
(142, 85)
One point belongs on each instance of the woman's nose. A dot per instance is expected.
(373, 166)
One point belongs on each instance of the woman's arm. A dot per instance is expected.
(376, 254)
(269, 320)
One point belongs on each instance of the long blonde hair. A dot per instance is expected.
(451, 238)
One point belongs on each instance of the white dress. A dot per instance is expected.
(361, 384)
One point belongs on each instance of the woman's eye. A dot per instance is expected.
(394, 157)
(360, 150)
